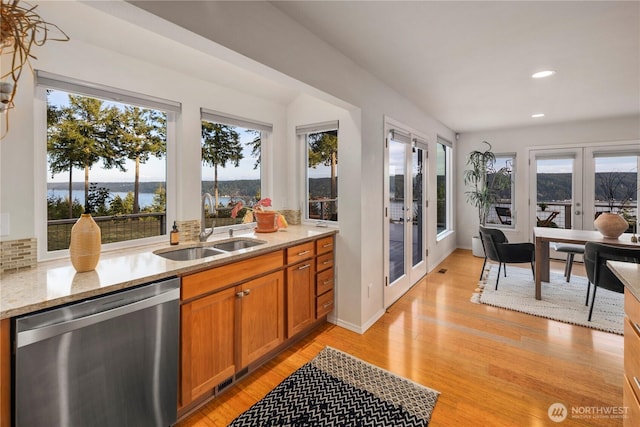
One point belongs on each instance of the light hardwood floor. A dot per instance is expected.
(493, 367)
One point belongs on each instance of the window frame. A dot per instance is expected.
(302, 134)
(266, 130)
(44, 81)
(514, 217)
(448, 164)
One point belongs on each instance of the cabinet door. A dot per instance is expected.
(261, 316)
(300, 297)
(207, 342)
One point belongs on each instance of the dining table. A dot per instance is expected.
(542, 236)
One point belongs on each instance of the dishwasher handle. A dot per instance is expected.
(31, 336)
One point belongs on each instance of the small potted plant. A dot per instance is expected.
(267, 221)
(486, 182)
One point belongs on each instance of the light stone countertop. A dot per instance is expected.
(629, 275)
(53, 283)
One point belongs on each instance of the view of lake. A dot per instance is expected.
(146, 199)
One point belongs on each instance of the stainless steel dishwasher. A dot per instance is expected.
(107, 361)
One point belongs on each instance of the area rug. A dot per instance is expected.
(561, 301)
(337, 389)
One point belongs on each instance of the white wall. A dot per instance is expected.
(106, 49)
(519, 140)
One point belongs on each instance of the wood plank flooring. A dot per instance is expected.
(493, 367)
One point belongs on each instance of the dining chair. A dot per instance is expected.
(498, 249)
(571, 250)
(596, 256)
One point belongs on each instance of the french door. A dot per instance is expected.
(405, 213)
(570, 187)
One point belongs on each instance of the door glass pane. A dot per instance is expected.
(397, 156)
(554, 198)
(418, 202)
(616, 187)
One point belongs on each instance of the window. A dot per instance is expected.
(501, 213)
(231, 164)
(443, 185)
(321, 147)
(106, 158)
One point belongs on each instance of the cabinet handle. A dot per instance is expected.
(247, 292)
(329, 304)
(326, 282)
(327, 245)
(636, 327)
(303, 253)
(326, 262)
(239, 294)
(637, 382)
(302, 267)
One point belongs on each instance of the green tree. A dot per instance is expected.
(220, 145)
(142, 134)
(256, 146)
(323, 150)
(79, 136)
(159, 203)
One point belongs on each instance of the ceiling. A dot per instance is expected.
(469, 64)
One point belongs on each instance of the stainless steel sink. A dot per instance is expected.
(209, 249)
(237, 244)
(188, 254)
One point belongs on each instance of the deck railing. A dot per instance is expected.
(116, 228)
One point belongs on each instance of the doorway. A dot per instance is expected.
(405, 211)
(570, 187)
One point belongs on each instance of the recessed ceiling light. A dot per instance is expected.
(535, 116)
(542, 74)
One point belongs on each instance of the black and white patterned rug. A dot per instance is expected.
(337, 389)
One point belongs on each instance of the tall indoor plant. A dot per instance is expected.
(486, 182)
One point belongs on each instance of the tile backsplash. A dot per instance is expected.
(18, 254)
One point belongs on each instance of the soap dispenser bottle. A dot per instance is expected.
(174, 236)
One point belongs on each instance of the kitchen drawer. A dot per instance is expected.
(324, 304)
(632, 354)
(324, 245)
(630, 401)
(217, 278)
(632, 307)
(324, 261)
(324, 281)
(300, 252)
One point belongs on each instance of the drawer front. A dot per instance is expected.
(324, 261)
(630, 401)
(324, 245)
(221, 277)
(324, 281)
(300, 252)
(631, 307)
(324, 304)
(632, 354)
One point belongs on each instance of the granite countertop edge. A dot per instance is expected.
(54, 283)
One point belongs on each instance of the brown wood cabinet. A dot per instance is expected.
(631, 399)
(261, 316)
(5, 373)
(301, 310)
(324, 292)
(208, 343)
(230, 316)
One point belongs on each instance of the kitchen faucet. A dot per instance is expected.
(206, 197)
